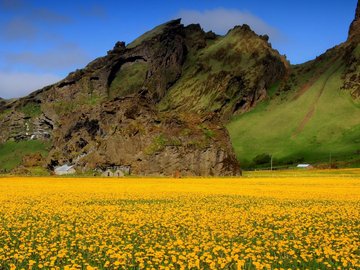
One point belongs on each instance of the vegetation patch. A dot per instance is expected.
(4, 113)
(64, 107)
(159, 142)
(12, 153)
(129, 79)
(209, 134)
(31, 109)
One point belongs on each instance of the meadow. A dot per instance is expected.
(260, 221)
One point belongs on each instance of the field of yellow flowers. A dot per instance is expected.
(245, 223)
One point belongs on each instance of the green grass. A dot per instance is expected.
(4, 113)
(273, 89)
(207, 131)
(93, 99)
(129, 79)
(159, 143)
(303, 173)
(12, 153)
(65, 107)
(273, 126)
(31, 110)
(38, 171)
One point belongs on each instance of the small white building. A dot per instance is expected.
(119, 173)
(304, 166)
(108, 173)
(64, 170)
(115, 171)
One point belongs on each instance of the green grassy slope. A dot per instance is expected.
(12, 153)
(304, 127)
(128, 80)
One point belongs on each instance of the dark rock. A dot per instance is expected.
(210, 35)
(265, 37)
(134, 136)
(2, 104)
(354, 31)
(33, 160)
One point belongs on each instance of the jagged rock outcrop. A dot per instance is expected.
(351, 49)
(155, 63)
(25, 123)
(96, 118)
(351, 74)
(354, 31)
(129, 131)
(228, 75)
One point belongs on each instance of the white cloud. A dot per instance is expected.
(221, 20)
(62, 57)
(18, 29)
(18, 84)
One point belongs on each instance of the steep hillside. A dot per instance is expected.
(228, 76)
(312, 116)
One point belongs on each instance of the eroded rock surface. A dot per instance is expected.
(354, 31)
(130, 131)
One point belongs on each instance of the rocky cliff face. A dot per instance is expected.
(352, 57)
(129, 131)
(2, 104)
(354, 31)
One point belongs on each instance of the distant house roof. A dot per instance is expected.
(64, 169)
(303, 165)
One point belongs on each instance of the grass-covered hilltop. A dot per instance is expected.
(182, 101)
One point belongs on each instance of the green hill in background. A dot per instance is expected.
(309, 117)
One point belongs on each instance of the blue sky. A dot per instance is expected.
(42, 41)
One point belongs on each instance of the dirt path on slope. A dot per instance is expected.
(313, 79)
(311, 110)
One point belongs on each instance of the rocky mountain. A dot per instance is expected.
(155, 105)
(159, 105)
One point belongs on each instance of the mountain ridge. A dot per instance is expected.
(73, 116)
